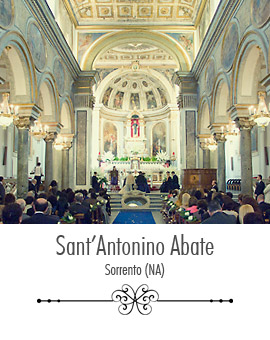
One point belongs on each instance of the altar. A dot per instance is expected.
(135, 140)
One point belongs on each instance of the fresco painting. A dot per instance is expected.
(159, 138)
(151, 100)
(106, 96)
(134, 101)
(84, 42)
(260, 11)
(230, 45)
(6, 12)
(118, 100)
(110, 138)
(36, 44)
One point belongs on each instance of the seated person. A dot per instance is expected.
(40, 217)
(12, 214)
(78, 208)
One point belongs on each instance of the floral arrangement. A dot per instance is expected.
(68, 218)
(162, 156)
(94, 207)
(108, 156)
(187, 215)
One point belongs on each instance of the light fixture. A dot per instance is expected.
(231, 129)
(62, 143)
(260, 115)
(211, 144)
(59, 143)
(7, 111)
(39, 131)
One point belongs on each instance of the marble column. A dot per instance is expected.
(246, 156)
(26, 115)
(65, 168)
(206, 158)
(49, 159)
(205, 151)
(65, 160)
(240, 114)
(221, 170)
(23, 125)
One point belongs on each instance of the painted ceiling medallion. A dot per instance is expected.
(260, 12)
(6, 12)
(36, 44)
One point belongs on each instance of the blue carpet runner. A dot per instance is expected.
(134, 217)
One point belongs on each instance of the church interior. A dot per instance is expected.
(143, 85)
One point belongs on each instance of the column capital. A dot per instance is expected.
(244, 123)
(187, 88)
(50, 137)
(186, 82)
(83, 88)
(27, 114)
(219, 137)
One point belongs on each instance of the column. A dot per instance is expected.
(87, 127)
(49, 139)
(246, 157)
(26, 115)
(187, 103)
(206, 152)
(221, 170)
(65, 160)
(22, 161)
(206, 158)
(240, 114)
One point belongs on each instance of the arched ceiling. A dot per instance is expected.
(89, 12)
(148, 55)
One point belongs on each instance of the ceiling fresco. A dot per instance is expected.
(104, 12)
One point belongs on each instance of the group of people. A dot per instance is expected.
(54, 206)
(215, 207)
(128, 181)
(170, 183)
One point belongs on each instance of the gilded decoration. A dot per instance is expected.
(36, 45)
(260, 12)
(59, 74)
(229, 46)
(6, 12)
(91, 11)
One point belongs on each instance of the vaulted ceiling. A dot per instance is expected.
(150, 12)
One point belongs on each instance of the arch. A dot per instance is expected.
(48, 98)
(103, 86)
(67, 118)
(204, 118)
(24, 89)
(221, 99)
(246, 73)
(111, 40)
